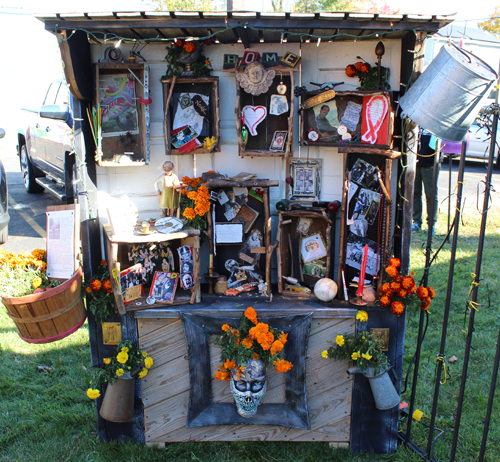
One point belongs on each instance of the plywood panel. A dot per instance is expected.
(166, 389)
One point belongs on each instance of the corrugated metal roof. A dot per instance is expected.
(245, 27)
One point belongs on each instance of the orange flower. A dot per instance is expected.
(395, 286)
(104, 263)
(422, 292)
(282, 365)
(426, 303)
(189, 47)
(265, 340)
(385, 287)
(106, 285)
(403, 293)
(200, 210)
(225, 327)
(391, 271)
(283, 338)
(432, 292)
(255, 356)
(229, 364)
(385, 300)
(184, 191)
(251, 314)
(358, 65)
(88, 290)
(260, 328)
(276, 347)
(397, 308)
(412, 289)
(222, 375)
(248, 342)
(350, 70)
(365, 68)
(95, 284)
(396, 262)
(189, 213)
(408, 281)
(178, 43)
(192, 195)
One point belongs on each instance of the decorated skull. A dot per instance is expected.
(249, 388)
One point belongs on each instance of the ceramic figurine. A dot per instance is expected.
(166, 187)
(255, 79)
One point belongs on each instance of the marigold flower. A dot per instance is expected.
(408, 282)
(229, 364)
(93, 394)
(189, 47)
(385, 300)
(247, 342)
(192, 195)
(385, 287)
(366, 356)
(88, 290)
(251, 314)
(143, 373)
(122, 357)
(362, 316)
(403, 293)
(119, 372)
(324, 354)
(106, 285)
(391, 271)
(355, 356)
(104, 263)
(276, 347)
(431, 292)
(95, 284)
(222, 375)
(260, 328)
(265, 340)
(412, 289)
(365, 68)
(282, 365)
(178, 43)
(148, 362)
(184, 191)
(208, 63)
(358, 65)
(255, 356)
(339, 340)
(396, 262)
(124, 350)
(426, 303)
(422, 292)
(397, 308)
(37, 282)
(225, 327)
(283, 338)
(395, 286)
(106, 360)
(350, 70)
(208, 42)
(200, 210)
(189, 213)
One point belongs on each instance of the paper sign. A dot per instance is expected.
(351, 115)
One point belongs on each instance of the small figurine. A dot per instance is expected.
(166, 187)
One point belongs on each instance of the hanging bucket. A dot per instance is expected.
(384, 393)
(51, 315)
(118, 402)
(446, 98)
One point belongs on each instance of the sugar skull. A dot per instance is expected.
(249, 389)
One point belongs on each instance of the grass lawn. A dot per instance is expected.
(46, 416)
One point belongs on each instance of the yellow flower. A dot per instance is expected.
(355, 356)
(366, 356)
(119, 372)
(143, 373)
(122, 357)
(339, 340)
(144, 353)
(93, 394)
(362, 316)
(106, 360)
(37, 282)
(148, 362)
(324, 353)
(124, 350)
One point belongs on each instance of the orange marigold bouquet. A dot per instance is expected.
(24, 273)
(99, 292)
(195, 202)
(400, 290)
(368, 75)
(253, 340)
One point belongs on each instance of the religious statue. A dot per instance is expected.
(166, 187)
(255, 79)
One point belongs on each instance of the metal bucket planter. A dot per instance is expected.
(118, 402)
(384, 393)
(51, 315)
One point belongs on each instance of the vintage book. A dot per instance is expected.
(246, 215)
(131, 283)
(164, 286)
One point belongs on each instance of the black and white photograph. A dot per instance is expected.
(304, 180)
(253, 240)
(354, 253)
(359, 227)
(185, 254)
(187, 281)
(364, 174)
(303, 225)
(231, 207)
(363, 205)
(164, 286)
(278, 105)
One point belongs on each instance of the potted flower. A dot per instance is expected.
(195, 202)
(245, 354)
(364, 353)
(100, 299)
(368, 75)
(119, 372)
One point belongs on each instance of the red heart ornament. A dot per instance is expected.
(253, 116)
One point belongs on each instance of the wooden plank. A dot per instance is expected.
(146, 326)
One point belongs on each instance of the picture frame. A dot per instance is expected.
(303, 225)
(132, 283)
(279, 140)
(163, 287)
(246, 215)
(313, 248)
(306, 178)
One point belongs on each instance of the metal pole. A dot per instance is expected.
(470, 330)
(447, 305)
(450, 162)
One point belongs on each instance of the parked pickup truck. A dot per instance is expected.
(45, 146)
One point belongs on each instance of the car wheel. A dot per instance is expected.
(4, 235)
(28, 173)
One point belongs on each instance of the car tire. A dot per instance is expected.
(29, 173)
(4, 235)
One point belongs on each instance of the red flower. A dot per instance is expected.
(397, 308)
(350, 70)
(358, 65)
(189, 47)
(207, 42)
(178, 43)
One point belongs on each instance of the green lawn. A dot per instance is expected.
(46, 416)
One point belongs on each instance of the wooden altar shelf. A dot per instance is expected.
(116, 250)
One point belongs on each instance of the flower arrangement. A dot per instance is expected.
(400, 290)
(368, 75)
(127, 361)
(186, 56)
(363, 351)
(253, 340)
(195, 202)
(99, 292)
(24, 273)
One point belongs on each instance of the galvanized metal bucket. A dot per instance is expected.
(446, 98)
(118, 402)
(384, 393)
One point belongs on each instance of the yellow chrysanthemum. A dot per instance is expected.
(119, 372)
(106, 360)
(124, 350)
(122, 357)
(362, 316)
(324, 353)
(143, 373)
(355, 356)
(148, 362)
(339, 340)
(366, 356)
(93, 394)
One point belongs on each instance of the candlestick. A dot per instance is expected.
(211, 265)
(361, 282)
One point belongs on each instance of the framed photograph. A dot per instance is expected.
(279, 141)
(316, 269)
(246, 215)
(278, 105)
(183, 136)
(131, 283)
(306, 176)
(303, 225)
(118, 101)
(313, 248)
(187, 281)
(164, 286)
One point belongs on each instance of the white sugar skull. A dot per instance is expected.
(249, 389)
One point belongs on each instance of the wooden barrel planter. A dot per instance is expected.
(51, 315)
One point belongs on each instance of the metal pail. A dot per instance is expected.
(446, 98)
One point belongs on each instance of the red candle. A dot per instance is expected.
(361, 282)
